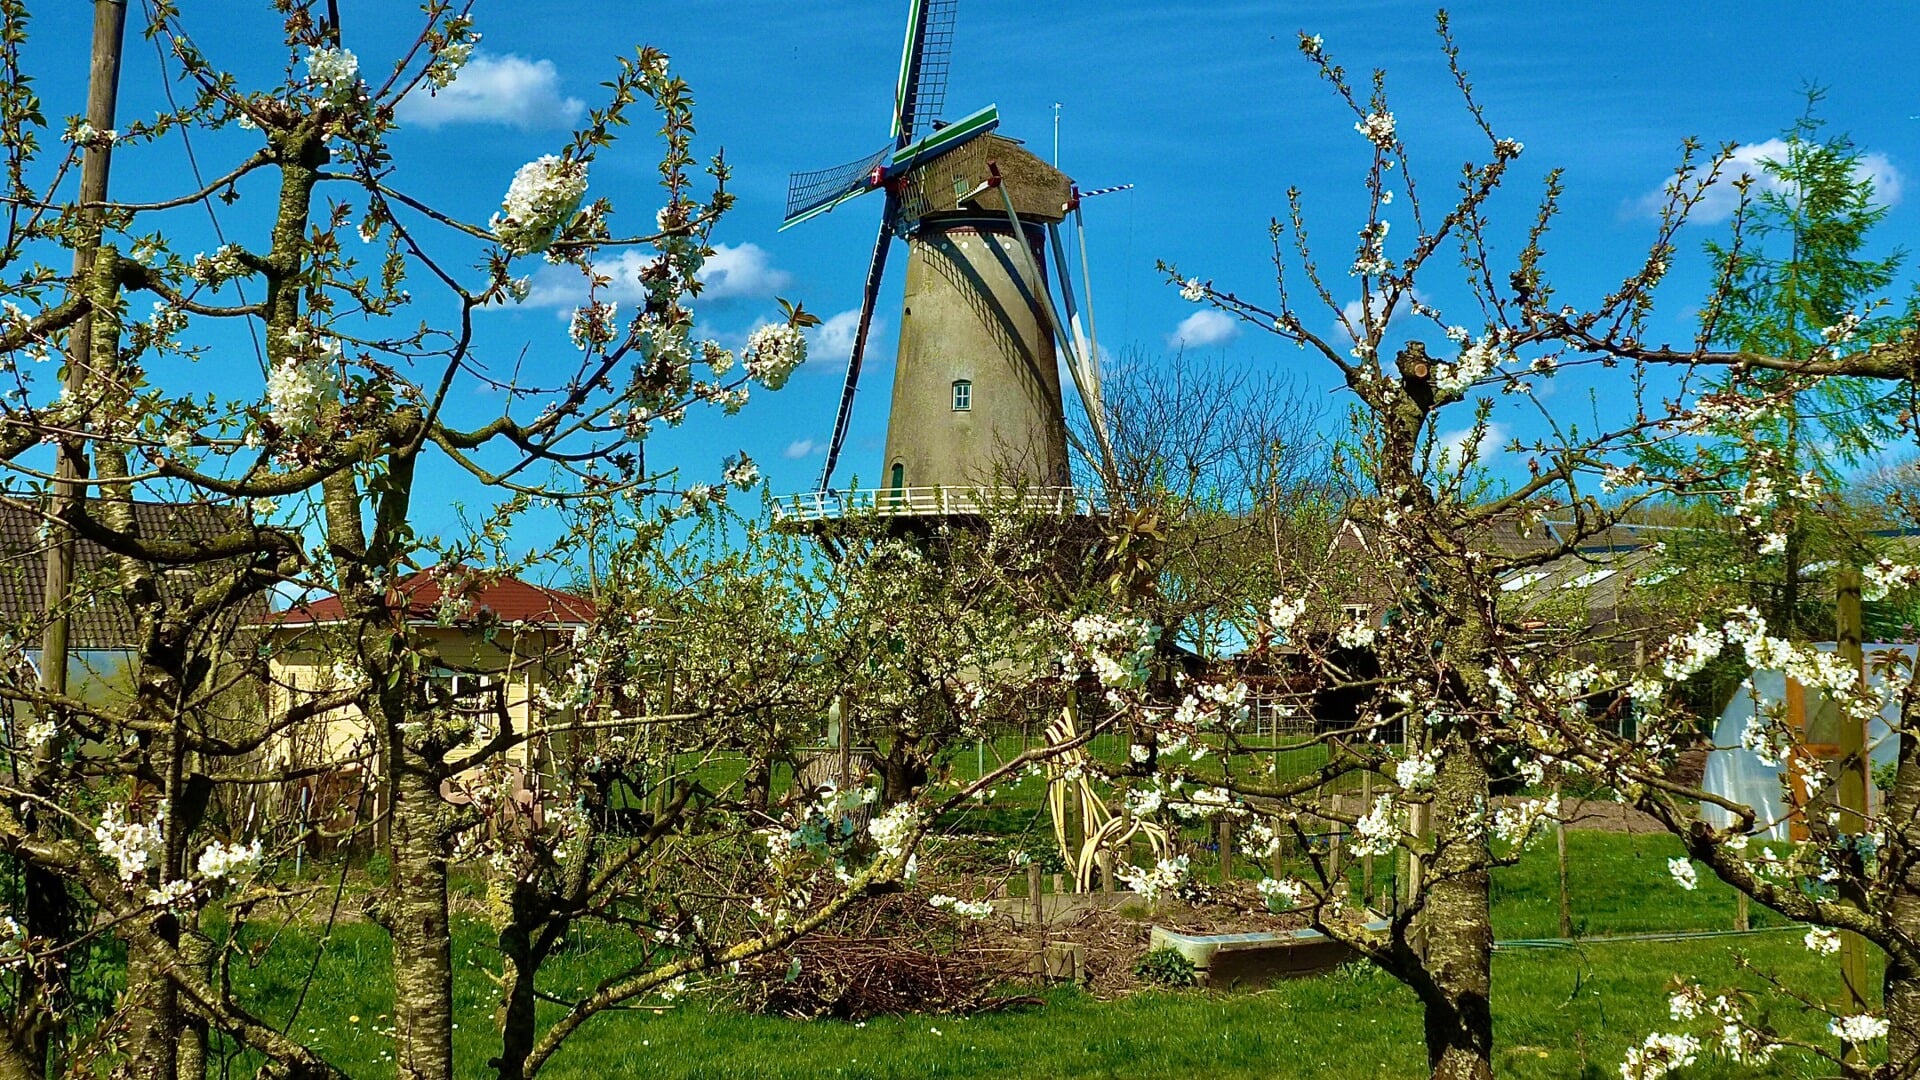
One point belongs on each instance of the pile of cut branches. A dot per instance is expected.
(895, 956)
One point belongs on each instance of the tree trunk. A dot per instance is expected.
(1459, 958)
(517, 1001)
(1901, 985)
(151, 1006)
(197, 951)
(417, 921)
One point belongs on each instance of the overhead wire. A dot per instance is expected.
(193, 163)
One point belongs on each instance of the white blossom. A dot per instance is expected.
(593, 324)
(131, 845)
(742, 473)
(1193, 291)
(1683, 873)
(1476, 361)
(85, 134)
(336, 72)
(1659, 1055)
(229, 860)
(1166, 876)
(542, 198)
(13, 942)
(1378, 128)
(1355, 635)
(772, 353)
(972, 909)
(1281, 894)
(1880, 579)
(1822, 940)
(893, 830)
(1378, 830)
(1858, 1029)
(1282, 613)
(1417, 772)
(299, 391)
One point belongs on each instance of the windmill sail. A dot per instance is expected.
(810, 193)
(924, 62)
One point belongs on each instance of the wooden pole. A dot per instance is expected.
(45, 907)
(1366, 861)
(1850, 628)
(70, 466)
(1226, 849)
(1033, 893)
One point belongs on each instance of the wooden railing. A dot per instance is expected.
(933, 502)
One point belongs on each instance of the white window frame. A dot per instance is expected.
(962, 395)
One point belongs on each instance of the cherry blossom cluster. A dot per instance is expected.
(773, 352)
(335, 73)
(540, 201)
(132, 846)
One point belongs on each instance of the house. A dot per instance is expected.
(496, 643)
(102, 638)
(1597, 584)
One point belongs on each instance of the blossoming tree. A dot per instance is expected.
(310, 471)
(1468, 689)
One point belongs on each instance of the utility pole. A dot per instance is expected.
(48, 914)
(70, 470)
(1849, 630)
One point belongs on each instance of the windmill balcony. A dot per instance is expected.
(934, 502)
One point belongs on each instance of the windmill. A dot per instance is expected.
(977, 387)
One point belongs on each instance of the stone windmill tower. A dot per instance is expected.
(977, 395)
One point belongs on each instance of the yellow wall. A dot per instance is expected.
(304, 659)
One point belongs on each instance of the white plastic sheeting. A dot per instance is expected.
(1737, 773)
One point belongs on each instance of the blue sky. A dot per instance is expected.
(1208, 109)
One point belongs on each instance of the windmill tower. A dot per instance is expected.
(977, 395)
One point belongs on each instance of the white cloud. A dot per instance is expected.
(1203, 328)
(1722, 199)
(832, 341)
(511, 90)
(803, 448)
(1452, 443)
(741, 271)
(735, 272)
(1354, 314)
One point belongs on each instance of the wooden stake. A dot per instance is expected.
(1850, 628)
(1033, 893)
(1226, 849)
(1366, 861)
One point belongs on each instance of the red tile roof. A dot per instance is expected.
(503, 600)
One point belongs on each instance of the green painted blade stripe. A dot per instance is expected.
(906, 65)
(957, 132)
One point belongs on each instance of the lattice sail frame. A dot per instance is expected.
(1101, 829)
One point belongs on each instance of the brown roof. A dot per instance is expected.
(472, 597)
(100, 619)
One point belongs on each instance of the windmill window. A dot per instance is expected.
(962, 395)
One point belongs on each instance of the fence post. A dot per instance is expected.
(1033, 893)
(1366, 861)
(1226, 849)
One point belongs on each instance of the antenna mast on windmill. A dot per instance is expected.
(977, 388)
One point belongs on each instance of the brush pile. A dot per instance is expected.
(894, 956)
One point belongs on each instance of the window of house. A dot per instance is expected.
(962, 395)
(1356, 612)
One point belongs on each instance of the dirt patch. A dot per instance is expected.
(1605, 815)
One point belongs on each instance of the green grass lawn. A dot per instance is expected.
(1567, 1012)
